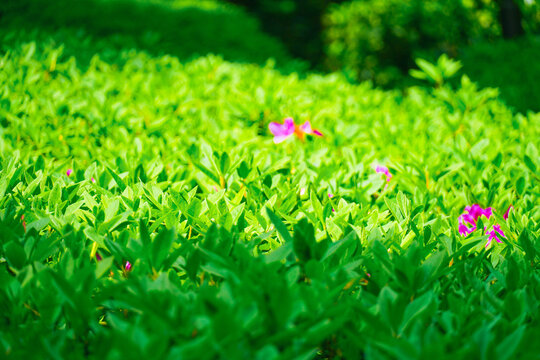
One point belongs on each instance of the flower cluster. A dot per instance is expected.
(384, 170)
(467, 222)
(283, 131)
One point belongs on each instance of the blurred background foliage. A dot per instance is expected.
(377, 40)
(186, 29)
(373, 40)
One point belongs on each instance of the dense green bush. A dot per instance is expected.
(297, 23)
(183, 28)
(512, 66)
(173, 170)
(378, 40)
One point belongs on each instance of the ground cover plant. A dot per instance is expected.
(163, 209)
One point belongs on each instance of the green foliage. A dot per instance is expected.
(297, 23)
(184, 28)
(235, 249)
(378, 39)
(436, 73)
(511, 66)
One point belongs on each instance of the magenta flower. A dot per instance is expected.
(330, 195)
(283, 131)
(470, 218)
(384, 170)
(69, 172)
(467, 222)
(98, 257)
(93, 180)
(128, 266)
(493, 234)
(505, 216)
(306, 129)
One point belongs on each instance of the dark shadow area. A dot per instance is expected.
(183, 30)
(513, 66)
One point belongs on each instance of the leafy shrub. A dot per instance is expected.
(173, 170)
(487, 17)
(185, 29)
(297, 23)
(511, 66)
(377, 39)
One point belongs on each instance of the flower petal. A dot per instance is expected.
(282, 131)
(277, 129)
(505, 216)
(306, 127)
(278, 139)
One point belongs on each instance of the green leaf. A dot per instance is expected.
(520, 185)
(530, 164)
(420, 307)
(15, 254)
(55, 196)
(117, 179)
(280, 227)
(103, 266)
(161, 246)
(304, 240)
(507, 347)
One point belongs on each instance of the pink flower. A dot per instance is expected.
(384, 170)
(330, 195)
(476, 211)
(493, 234)
(283, 131)
(128, 266)
(98, 257)
(505, 216)
(306, 129)
(470, 218)
(93, 180)
(473, 213)
(69, 171)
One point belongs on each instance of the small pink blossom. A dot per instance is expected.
(69, 172)
(93, 180)
(302, 191)
(467, 222)
(306, 129)
(283, 131)
(505, 216)
(330, 195)
(493, 234)
(128, 266)
(384, 170)
(98, 257)
(470, 217)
